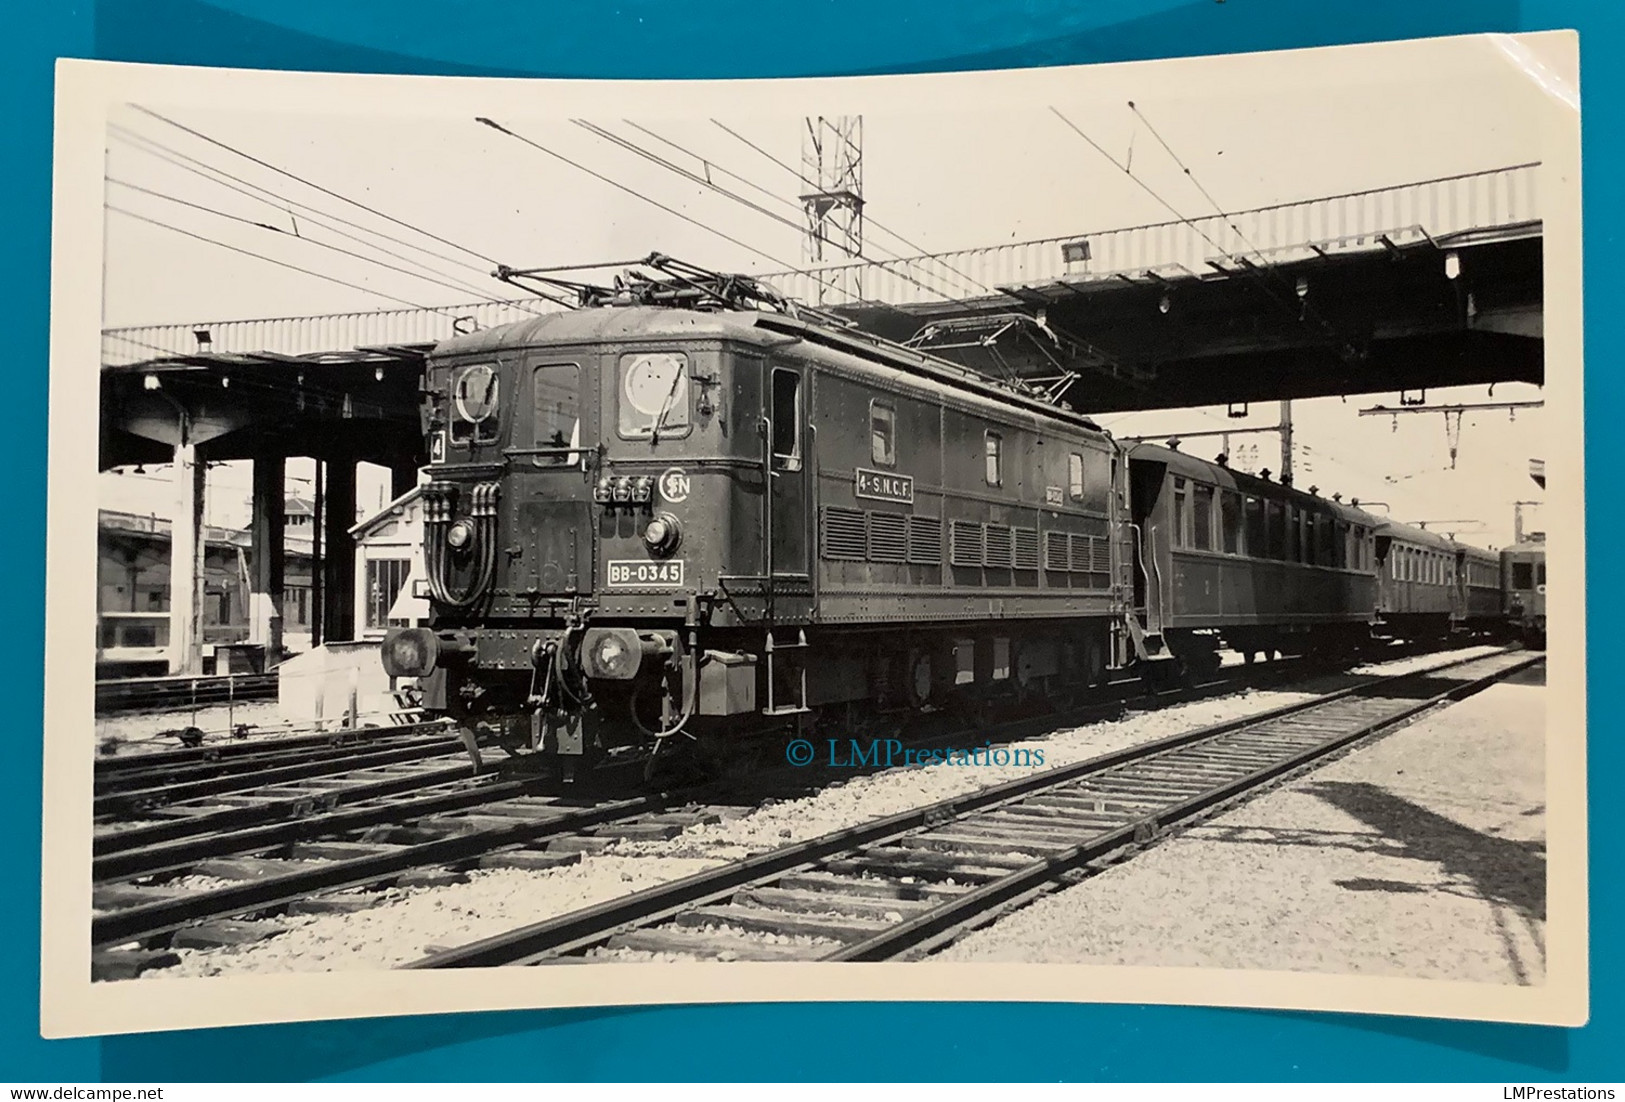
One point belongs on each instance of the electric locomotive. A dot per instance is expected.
(685, 511)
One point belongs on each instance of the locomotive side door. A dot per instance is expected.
(785, 451)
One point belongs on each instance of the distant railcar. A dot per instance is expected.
(1477, 577)
(1523, 581)
(1417, 595)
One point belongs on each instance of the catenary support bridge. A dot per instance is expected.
(1425, 284)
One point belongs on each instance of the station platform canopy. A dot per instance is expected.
(360, 404)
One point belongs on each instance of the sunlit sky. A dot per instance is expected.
(963, 175)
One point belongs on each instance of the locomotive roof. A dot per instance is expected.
(603, 324)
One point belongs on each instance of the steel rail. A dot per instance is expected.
(140, 798)
(133, 777)
(271, 743)
(168, 847)
(591, 926)
(943, 922)
(147, 920)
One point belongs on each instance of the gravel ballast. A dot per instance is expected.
(407, 924)
(1422, 855)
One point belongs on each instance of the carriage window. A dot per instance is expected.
(1540, 572)
(993, 452)
(786, 419)
(1256, 544)
(882, 434)
(1181, 507)
(1293, 549)
(1277, 530)
(1202, 518)
(1074, 476)
(1340, 545)
(654, 394)
(1230, 520)
(557, 419)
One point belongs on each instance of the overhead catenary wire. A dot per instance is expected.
(499, 128)
(273, 260)
(1223, 214)
(868, 220)
(314, 215)
(687, 174)
(886, 262)
(1262, 276)
(293, 236)
(312, 184)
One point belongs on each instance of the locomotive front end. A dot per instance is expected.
(576, 503)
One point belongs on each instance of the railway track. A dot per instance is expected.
(136, 786)
(903, 886)
(309, 845)
(132, 694)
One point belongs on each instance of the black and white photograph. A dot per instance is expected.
(1074, 534)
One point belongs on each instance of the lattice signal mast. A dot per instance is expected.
(832, 165)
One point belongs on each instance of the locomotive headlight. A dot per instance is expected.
(611, 653)
(662, 534)
(460, 535)
(410, 652)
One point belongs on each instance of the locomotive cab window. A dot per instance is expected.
(557, 417)
(654, 395)
(786, 419)
(1074, 476)
(1523, 575)
(882, 434)
(993, 452)
(476, 391)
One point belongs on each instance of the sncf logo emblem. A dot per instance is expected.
(883, 487)
(674, 485)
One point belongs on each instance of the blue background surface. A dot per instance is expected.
(731, 38)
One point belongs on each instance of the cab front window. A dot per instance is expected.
(557, 417)
(653, 395)
(476, 392)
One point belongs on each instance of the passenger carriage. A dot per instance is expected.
(1227, 557)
